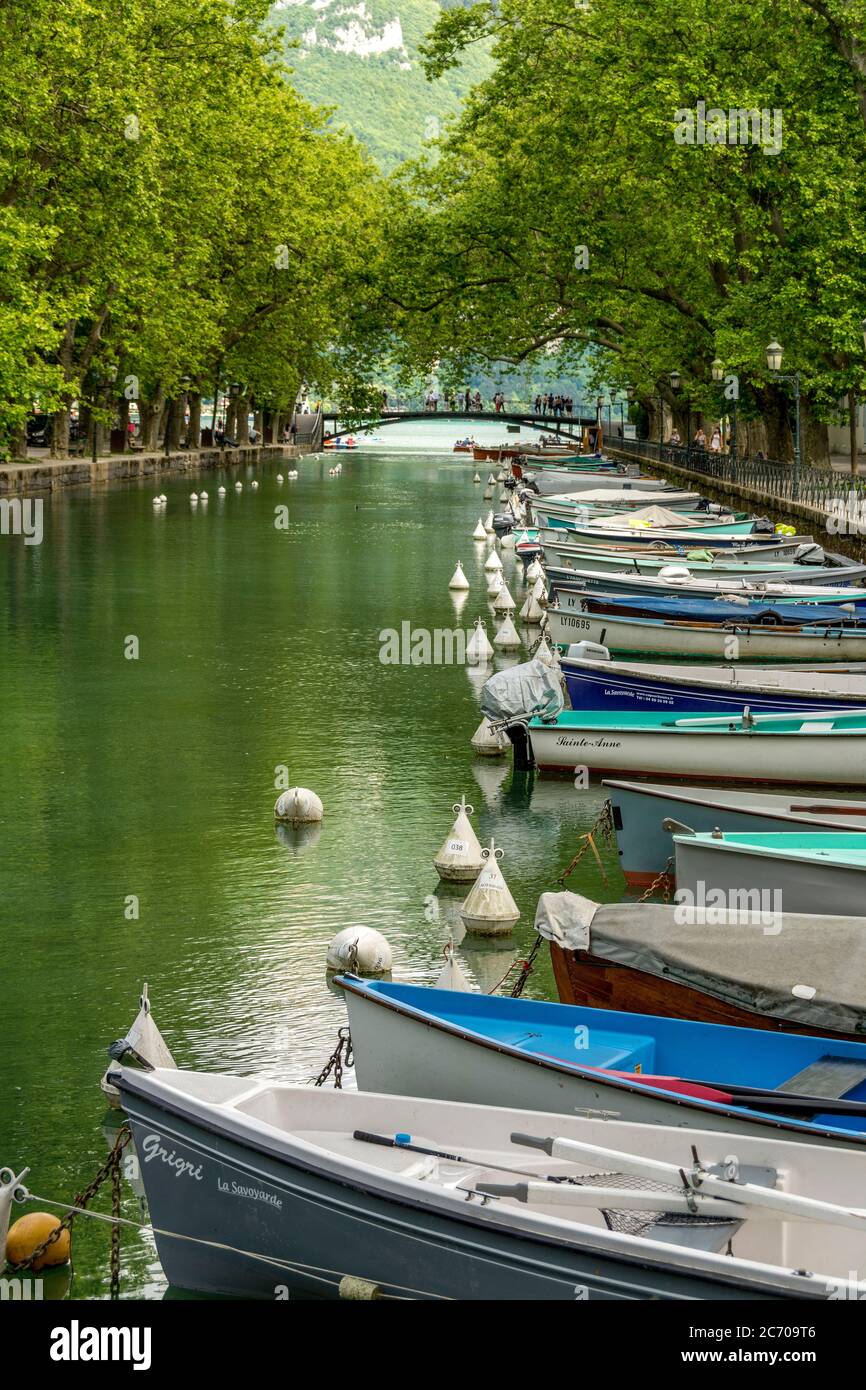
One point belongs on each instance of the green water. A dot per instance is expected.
(258, 648)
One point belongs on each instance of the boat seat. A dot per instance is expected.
(830, 1078)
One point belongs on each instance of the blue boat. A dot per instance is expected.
(719, 610)
(449, 1045)
(599, 684)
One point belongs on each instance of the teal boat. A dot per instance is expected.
(793, 871)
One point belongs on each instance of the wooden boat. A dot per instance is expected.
(596, 682)
(493, 1050)
(742, 640)
(640, 809)
(675, 581)
(646, 958)
(721, 535)
(811, 748)
(729, 610)
(590, 502)
(809, 869)
(803, 565)
(258, 1189)
(496, 453)
(550, 481)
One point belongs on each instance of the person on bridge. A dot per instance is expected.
(700, 439)
(467, 400)
(716, 441)
(538, 405)
(476, 403)
(675, 438)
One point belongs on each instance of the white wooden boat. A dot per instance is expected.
(802, 564)
(741, 641)
(806, 749)
(262, 1190)
(673, 580)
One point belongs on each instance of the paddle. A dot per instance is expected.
(404, 1143)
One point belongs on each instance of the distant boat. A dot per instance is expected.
(807, 563)
(494, 1050)
(801, 974)
(802, 870)
(640, 809)
(550, 481)
(678, 581)
(810, 748)
(707, 641)
(622, 685)
(257, 1189)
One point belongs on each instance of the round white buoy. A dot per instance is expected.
(507, 639)
(492, 563)
(495, 584)
(490, 909)
(478, 648)
(193, 497)
(460, 860)
(253, 484)
(203, 496)
(361, 951)
(458, 579)
(532, 613)
(479, 534)
(239, 487)
(157, 502)
(293, 473)
(534, 571)
(279, 477)
(221, 492)
(477, 478)
(503, 602)
(299, 805)
(488, 742)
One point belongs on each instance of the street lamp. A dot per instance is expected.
(774, 362)
(675, 380)
(717, 368)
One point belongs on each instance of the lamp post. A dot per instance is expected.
(774, 362)
(676, 381)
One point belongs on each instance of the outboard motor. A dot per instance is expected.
(502, 523)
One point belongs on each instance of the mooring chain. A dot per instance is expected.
(110, 1168)
(526, 966)
(603, 828)
(341, 1056)
(662, 880)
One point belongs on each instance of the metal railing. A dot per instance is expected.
(823, 488)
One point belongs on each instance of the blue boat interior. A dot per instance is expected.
(720, 610)
(714, 1055)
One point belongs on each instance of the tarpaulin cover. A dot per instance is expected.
(720, 610)
(753, 960)
(533, 688)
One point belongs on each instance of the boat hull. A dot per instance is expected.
(645, 848)
(400, 1054)
(785, 882)
(707, 755)
(639, 637)
(748, 561)
(590, 686)
(590, 981)
(318, 1226)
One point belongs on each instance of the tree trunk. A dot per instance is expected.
(18, 442)
(150, 412)
(175, 424)
(852, 429)
(122, 405)
(193, 435)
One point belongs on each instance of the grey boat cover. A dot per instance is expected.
(532, 688)
(752, 959)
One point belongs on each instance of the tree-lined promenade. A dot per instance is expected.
(173, 219)
(656, 189)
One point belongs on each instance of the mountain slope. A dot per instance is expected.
(361, 56)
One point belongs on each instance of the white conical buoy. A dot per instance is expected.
(193, 497)
(459, 860)
(490, 909)
(503, 498)
(488, 522)
(458, 579)
(545, 653)
(361, 951)
(477, 478)
(451, 976)
(239, 487)
(203, 495)
(487, 741)
(495, 584)
(491, 479)
(488, 494)
(492, 563)
(532, 612)
(539, 592)
(503, 602)
(478, 647)
(534, 571)
(279, 477)
(507, 541)
(254, 484)
(299, 805)
(479, 534)
(221, 492)
(507, 638)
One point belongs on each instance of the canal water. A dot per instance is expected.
(145, 784)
